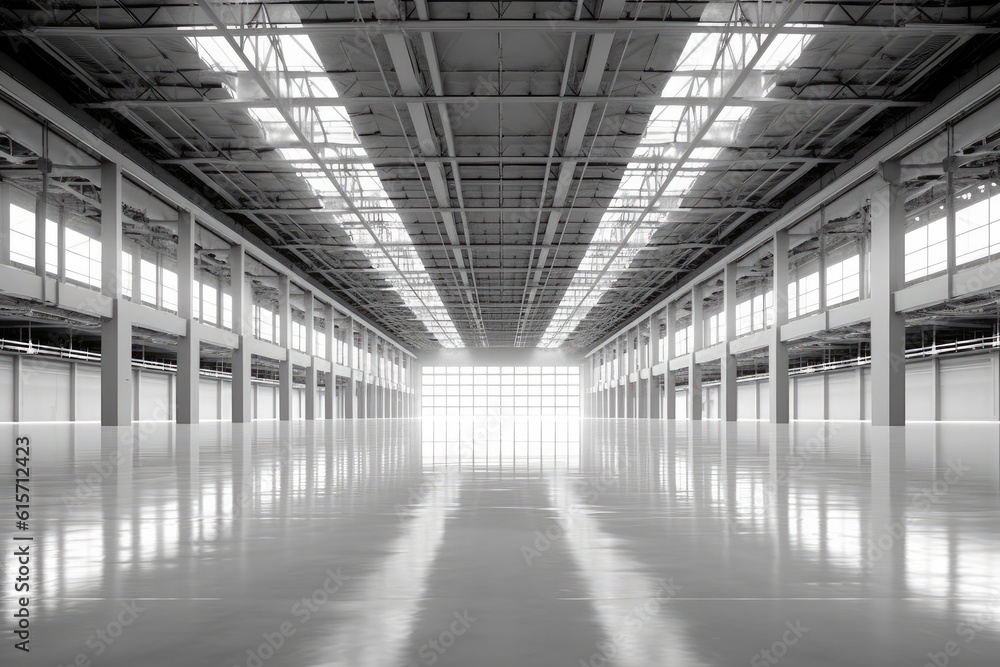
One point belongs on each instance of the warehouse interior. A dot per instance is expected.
(595, 332)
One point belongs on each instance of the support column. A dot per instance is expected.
(4, 223)
(310, 317)
(697, 341)
(778, 349)
(243, 328)
(285, 364)
(669, 379)
(888, 328)
(41, 216)
(330, 397)
(727, 388)
(189, 346)
(73, 384)
(116, 333)
(350, 394)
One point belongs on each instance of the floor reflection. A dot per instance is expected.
(512, 541)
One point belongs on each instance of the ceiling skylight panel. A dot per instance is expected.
(291, 56)
(706, 68)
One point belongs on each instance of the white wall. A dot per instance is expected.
(46, 393)
(968, 388)
(963, 388)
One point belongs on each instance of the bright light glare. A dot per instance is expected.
(704, 69)
(302, 76)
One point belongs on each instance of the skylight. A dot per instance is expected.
(705, 68)
(376, 230)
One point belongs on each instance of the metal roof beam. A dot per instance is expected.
(595, 26)
(415, 98)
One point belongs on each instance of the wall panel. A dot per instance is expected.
(746, 400)
(6, 388)
(88, 393)
(208, 399)
(967, 389)
(154, 395)
(843, 399)
(810, 397)
(44, 390)
(266, 395)
(920, 391)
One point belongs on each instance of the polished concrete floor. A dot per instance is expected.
(499, 542)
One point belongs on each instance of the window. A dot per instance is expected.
(227, 311)
(755, 314)
(682, 341)
(926, 249)
(126, 275)
(803, 295)
(716, 328)
(83, 258)
(209, 304)
(169, 290)
(147, 282)
(977, 226)
(22, 239)
(298, 336)
(266, 324)
(196, 300)
(544, 391)
(843, 281)
(22, 235)
(319, 343)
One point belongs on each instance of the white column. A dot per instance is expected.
(778, 349)
(242, 327)
(189, 346)
(350, 407)
(727, 388)
(696, 343)
(285, 364)
(41, 211)
(888, 328)
(330, 397)
(310, 321)
(669, 380)
(4, 223)
(116, 333)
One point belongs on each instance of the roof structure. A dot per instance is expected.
(498, 173)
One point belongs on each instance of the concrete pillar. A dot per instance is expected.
(41, 210)
(116, 333)
(242, 327)
(4, 223)
(73, 383)
(61, 245)
(696, 342)
(285, 364)
(778, 349)
(310, 320)
(888, 328)
(727, 388)
(669, 379)
(189, 346)
(330, 397)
